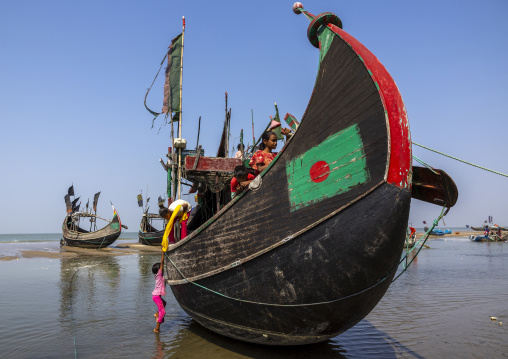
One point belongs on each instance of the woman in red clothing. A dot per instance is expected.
(262, 158)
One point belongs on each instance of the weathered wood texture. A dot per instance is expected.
(212, 164)
(329, 262)
(325, 260)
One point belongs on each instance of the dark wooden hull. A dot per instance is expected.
(287, 264)
(150, 236)
(327, 263)
(104, 237)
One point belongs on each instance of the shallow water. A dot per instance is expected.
(101, 307)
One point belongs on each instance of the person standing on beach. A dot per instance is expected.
(158, 292)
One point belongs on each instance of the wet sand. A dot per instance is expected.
(121, 249)
(130, 248)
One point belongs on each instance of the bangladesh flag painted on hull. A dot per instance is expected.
(334, 166)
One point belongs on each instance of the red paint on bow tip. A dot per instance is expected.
(319, 171)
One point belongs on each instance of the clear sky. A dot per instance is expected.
(74, 75)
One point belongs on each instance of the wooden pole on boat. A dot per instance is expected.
(226, 122)
(253, 135)
(179, 175)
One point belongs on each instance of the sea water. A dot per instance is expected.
(91, 306)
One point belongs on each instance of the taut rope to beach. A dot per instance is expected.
(458, 159)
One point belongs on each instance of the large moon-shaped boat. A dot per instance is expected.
(312, 248)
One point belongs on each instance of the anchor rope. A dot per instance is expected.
(285, 305)
(458, 159)
(421, 242)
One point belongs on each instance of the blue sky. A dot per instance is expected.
(74, 75)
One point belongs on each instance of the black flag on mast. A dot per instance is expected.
(75, 208)
(95, 200)
(70, 191)
(68, 204)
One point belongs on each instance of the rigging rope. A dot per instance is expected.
(285, 305)
(420, 242)
(458, 159)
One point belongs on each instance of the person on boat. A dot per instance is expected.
(264, 156)
(158, 292)
(239, 153)
(486, 233)
(178, 210)
(241, 180)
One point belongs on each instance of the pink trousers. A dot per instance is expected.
(161, 305)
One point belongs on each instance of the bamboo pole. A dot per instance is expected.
(179, 175)
(253, 136)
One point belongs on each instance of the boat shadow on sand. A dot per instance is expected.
(362, 341)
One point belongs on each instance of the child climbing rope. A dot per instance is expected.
(158, 292)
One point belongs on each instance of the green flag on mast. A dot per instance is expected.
(171, 102)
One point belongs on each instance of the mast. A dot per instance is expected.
(253, 136)
(179, 174)
(226, 145)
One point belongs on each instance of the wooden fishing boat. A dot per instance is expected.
(284, 263)
(148, 234)
(491, 228)
(73, 233)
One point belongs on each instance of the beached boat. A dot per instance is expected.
(491, 228)
(73, 233)
(284, 263)
(148, 234)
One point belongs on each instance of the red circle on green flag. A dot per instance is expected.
(319, 171)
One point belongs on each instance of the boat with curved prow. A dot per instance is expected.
(148, 234)
(284, 263)
(74, 235)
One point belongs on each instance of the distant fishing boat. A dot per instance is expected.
(75, 235)
(493, 228)
(284, 263)
(148, 234)
(479, 238)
